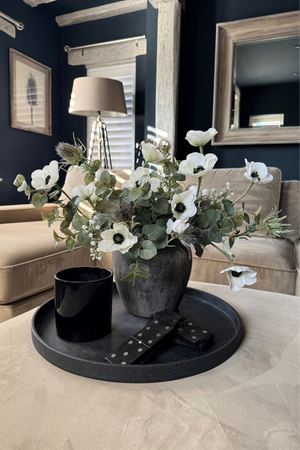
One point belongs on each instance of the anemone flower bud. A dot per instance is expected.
(200, 138)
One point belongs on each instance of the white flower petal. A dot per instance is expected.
(200, 138)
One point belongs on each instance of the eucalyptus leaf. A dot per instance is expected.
(104, 206)
(78, 221)
(89, 178)
(152, 231)
(238, 221)
(161, 206)
(149, 250)
(205, 204)
(19, 180)
(135, 194)
(179, 177)
(143, 275)
(143, 219)
(129, 277)
(130, 257)
(39, 200)
(214, 235)
(57, 237)
(161, 241)
(228, 207)
(226, 225)
(170, 167)
(143, 268)
(246, 217)
(105, 177)
(70, 243)
(83, 239)
(68, 233)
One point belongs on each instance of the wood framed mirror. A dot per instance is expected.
(256, 82)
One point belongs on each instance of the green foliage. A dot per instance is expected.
(149, 250)
(142, 211)
(39, 200)
(83, 239)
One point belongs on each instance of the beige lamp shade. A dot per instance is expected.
(91, 95)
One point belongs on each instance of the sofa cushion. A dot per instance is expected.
(290, 207)
(23, 213)
(273, 260)
(29, 259)
(267, 195)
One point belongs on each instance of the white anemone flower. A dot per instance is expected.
(200, 138)
(183, 206)
(83, 192)
(45, 178)
(137, 175)
(240, 276)
(151, 153)
(179, 226)
(119, 238)
(257, 172)
(197, 164)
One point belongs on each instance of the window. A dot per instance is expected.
(120, 130)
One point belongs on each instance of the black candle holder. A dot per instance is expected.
(83, 303)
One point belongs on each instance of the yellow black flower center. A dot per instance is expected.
(236, 274)
(118, 238)
(198, 169)
(180, 207)
(47, 179)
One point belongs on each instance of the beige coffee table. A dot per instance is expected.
(249, 402)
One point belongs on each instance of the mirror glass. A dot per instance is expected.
(265, 84)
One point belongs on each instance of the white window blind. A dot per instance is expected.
(120, 130)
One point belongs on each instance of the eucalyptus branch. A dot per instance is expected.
(68, 197)
(225, 254)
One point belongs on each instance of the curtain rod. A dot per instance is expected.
(68, 49)
(19, 25)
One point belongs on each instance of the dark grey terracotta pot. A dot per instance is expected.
(169, 274)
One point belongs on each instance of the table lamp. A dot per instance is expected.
(97, 97)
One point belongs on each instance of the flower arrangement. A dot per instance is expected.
(154, 209)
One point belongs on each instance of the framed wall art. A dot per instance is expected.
(30, 94)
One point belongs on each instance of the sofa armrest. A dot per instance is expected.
(297, 255)
(23, 213)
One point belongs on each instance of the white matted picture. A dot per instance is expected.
(30, 94)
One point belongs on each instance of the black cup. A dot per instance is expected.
(83, 303)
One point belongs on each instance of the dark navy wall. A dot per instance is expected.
(197, 75)
(24, 151)
(42, 40)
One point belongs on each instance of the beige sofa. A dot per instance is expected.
(29, 259)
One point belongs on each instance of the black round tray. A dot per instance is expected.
(88, 358)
